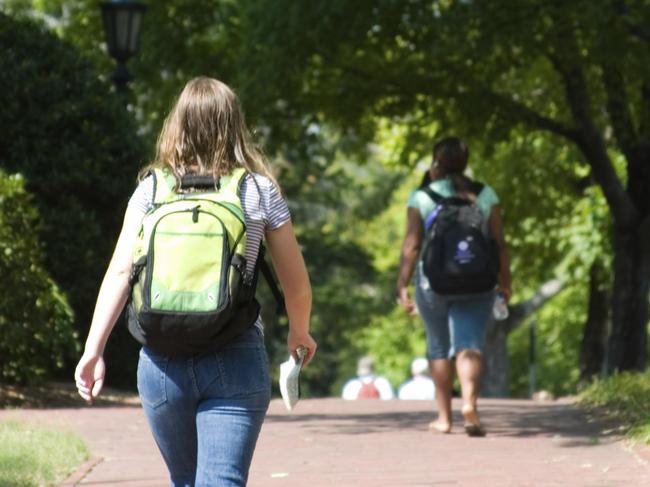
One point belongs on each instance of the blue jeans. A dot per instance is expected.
(452, 323)
(206, 411)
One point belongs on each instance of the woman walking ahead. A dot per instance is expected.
(202, 373)
(454, 319)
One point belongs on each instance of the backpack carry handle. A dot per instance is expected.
(457, 201)
(198, 181)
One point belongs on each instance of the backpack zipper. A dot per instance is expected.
(226, 206)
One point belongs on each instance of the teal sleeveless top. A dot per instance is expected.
(444, 187)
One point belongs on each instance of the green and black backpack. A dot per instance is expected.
(190, 291)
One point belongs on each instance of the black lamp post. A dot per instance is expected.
(122, 21)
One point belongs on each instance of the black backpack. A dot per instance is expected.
(458, 255)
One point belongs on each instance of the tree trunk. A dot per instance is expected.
(594, 338)
(495, 356)
(495, 360)
(628, 338)
(631, 238)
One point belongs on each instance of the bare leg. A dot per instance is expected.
(469, 365)
(442, 371)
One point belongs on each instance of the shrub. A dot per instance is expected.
(625, 398)
(36, 325)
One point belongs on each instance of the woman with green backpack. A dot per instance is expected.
(455, 245)
(186, 265)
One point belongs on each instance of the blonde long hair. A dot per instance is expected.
(205, 133)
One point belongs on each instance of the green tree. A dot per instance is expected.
(180, 39)
(557, 225)
(77, 148)
(330, 197)
(578, 71)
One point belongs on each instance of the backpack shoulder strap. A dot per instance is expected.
(436, 197)
(164, 186)
(229, 192)
(232, 183)
(477, 187)
(265, 269)
(262, 266)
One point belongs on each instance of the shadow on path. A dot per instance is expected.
(58, 395)
(512, 418)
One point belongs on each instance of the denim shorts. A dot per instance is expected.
(452, 323)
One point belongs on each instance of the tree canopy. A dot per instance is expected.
(347, 97)
(577, 71)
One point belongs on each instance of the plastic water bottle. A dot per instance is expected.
(500, 309)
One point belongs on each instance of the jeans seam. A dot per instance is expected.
(262, 358)
(222, 370)
(192, 374)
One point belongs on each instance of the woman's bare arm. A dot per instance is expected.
(496, 231)
(290, 268)
(89, 374)
(408, 257)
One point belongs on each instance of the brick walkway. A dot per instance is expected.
(329, 442)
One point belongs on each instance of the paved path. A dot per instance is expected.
(330, 442)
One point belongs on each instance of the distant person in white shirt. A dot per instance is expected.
(367, 385)
(420, 387)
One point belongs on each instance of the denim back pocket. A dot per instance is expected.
(152, 371)
(243, 365)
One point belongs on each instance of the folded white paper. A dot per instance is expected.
(290, 379)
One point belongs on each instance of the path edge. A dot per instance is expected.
(81, 472)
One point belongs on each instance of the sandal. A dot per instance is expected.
(474, 430)
(472, 424)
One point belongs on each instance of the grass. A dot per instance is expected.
(35, 456)
(625, 398)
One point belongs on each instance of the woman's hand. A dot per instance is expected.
(297, 340)
(89, 376)
(405, 301)
(506, 291)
